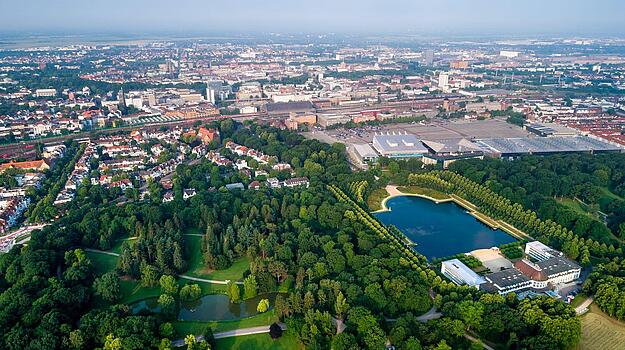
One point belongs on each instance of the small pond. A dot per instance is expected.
(213, 307)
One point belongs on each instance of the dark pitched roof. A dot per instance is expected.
(557, 265)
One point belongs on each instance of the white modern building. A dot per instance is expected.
(443, 81)
(460, 273)
(539, 251)
(45, 92)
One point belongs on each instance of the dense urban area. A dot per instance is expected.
(313, 193)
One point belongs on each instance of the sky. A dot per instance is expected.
(473, 17)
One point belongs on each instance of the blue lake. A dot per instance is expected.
(440, 230)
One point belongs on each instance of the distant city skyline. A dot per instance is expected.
(447, 17)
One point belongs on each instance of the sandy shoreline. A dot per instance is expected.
(393, 192)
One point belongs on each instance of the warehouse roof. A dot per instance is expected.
(520, 146)
(365, 151)
(451, 146)
(398, 143)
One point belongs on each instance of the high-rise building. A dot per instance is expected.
(443, 80)
(121, 98)
(211, 94)
(428, 57)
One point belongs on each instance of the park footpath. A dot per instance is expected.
(186, 277)
(233, 333)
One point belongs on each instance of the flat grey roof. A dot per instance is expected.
(507, 278)
(398, 143)
(285, 107)
(452, 146)
(364, 150)
(546, 145)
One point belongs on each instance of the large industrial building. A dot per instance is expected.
(448, 151)
(365, 153)
(514, 147)
(550, 129)
(399, 146)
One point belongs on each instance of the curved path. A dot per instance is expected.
(191, 278)
(233, 333)
(432, 314)
(101, 252)
(197, 279)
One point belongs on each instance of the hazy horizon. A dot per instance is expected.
(446, 17)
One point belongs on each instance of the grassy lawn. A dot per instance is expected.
(259, 341)
(424, 191)
(195, 327)
(374, 201)
(197, 268)
(607, 194)
(132, 291)
(194, 254)
(102, 263)
(117, 248)
(575, 206)
(578, 300)
(601, 332)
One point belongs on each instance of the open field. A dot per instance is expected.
(601, 332)
(197, 268)
(424, 191)
(132, 290)
(117, 248)
(259, 341)
(102, 263)
(194, 327)
(374, 201)
(575, 206)
(578, 300)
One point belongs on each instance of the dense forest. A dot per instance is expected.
(541, 184)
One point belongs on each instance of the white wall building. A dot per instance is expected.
(460, 273)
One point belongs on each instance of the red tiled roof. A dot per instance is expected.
(530, 271)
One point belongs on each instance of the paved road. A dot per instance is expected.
(233, 333)
(584, 306)
(7, 241)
